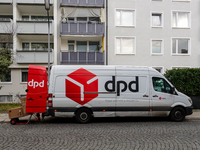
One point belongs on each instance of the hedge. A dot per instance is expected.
(185, 80)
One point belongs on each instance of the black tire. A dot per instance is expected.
(14, 121)
(83, 115)
(177, 114)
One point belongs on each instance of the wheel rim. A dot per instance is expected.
(13, 121)
(178, 114)
(83, 116)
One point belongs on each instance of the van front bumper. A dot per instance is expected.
(189, 110)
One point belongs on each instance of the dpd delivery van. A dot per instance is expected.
(84, 92)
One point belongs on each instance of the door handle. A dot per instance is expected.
(30, 99)
(155, 95)
(145, 95)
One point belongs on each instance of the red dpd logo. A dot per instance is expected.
(80, 86)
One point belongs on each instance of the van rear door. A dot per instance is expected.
(37, 89)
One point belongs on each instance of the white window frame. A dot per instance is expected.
(189, 46)
(22, 70)
(129, 37)
(162, 19)
(159, 67)
(157, 0)
(179, 11)
(180, 67)
(162, 47)
(181, 0)
(134, 17)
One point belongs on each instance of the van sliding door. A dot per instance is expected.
(132, 93)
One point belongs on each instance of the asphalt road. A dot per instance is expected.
(105, 133)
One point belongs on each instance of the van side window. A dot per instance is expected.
(161, 85)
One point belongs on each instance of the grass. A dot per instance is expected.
(5, 107)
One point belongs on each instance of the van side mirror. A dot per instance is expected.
(173, 90)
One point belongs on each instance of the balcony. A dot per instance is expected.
(6, 1)
(33, 56)
(34, 27)
(86, 3)
(82, 29)
(32, 1)
(93, 58)
(5, 26)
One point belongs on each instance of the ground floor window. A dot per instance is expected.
(7, 77)
(24, 75)
(5, 98)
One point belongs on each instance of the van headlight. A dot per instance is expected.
(190, 100)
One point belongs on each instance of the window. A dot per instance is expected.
(41, 46)
(94, 19)
(156, 47)
(25, 46)
(6, 98)
(161, 85)
(181, 19)
(93, 46)
(125, 17)
(125, 45)
(81, 46)
(6, 46)
(41, 18)
(24, 75)
(180, 0)
(7, 77)
(25, 18)
(156, 19)
(5, 17)
(81, 19)
(159, 69)
(180, 46)
(71, 46)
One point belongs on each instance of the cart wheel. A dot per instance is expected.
(13, 121)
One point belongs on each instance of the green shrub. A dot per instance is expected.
(185, 80)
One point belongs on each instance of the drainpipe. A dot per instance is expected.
(106, 32)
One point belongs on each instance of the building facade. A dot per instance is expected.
(162, 34)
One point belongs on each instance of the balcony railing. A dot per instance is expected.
(5, 25)
(33, 56)
(32, 1)
(6, 1)
(88, 3)
(72, 28)
(34, 27)
(82, 58)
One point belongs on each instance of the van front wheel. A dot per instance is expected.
(83, 116)
(177, 114)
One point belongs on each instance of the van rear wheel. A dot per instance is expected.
(177, 114)
(83, 115)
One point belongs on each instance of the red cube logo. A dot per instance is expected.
(81, 86)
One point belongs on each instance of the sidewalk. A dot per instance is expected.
(5, 119)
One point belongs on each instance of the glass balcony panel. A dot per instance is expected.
(82, 58)
(82, 29)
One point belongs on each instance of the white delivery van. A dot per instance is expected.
(113, 91)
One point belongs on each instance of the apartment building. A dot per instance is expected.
(163, 34)
(77, 31)
(27, 21)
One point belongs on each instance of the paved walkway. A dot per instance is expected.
(5, 119)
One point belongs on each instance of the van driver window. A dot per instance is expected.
(161, 85)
